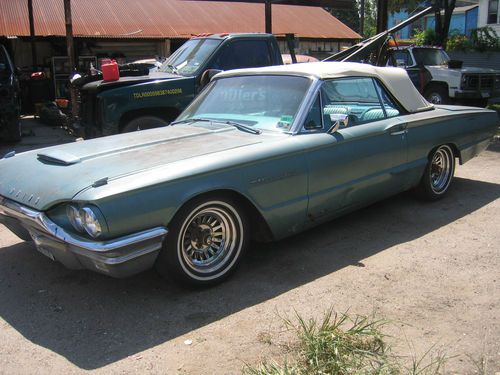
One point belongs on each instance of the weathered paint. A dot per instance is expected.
(294, 180)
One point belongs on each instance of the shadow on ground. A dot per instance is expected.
(93, 320)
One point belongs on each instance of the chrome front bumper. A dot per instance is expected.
(119, 257)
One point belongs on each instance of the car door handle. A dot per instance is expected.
(397, 129)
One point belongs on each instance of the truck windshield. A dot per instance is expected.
(263, 102)
(188, 59)
(430, 56)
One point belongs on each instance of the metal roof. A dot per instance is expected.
(166, 19)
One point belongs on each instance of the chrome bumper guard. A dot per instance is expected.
(119, 257)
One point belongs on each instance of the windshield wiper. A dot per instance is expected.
(190, 120)
(239, 126)
(172, 68)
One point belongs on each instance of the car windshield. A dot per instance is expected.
(430, 56)
(188, 59)
(265, 102)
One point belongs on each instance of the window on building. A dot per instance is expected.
(492, 11)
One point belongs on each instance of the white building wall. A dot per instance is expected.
(483, 16)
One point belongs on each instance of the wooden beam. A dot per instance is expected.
(32, 33)
(269, 17)
(71, 53)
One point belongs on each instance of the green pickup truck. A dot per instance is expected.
(148, 101)
(10, 127)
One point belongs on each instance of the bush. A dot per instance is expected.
(485, 39)
(426, 37)
(458, 43)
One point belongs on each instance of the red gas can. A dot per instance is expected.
(110, 71)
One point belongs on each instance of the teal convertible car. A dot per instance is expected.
(260, 154)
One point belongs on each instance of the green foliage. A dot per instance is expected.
(458, 43)
(370, 25)
(341, 345)
(398, 5)
(485, 39)
(351, 17)
(426, 37)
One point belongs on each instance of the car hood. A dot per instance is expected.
(98, 86)
(43, 178)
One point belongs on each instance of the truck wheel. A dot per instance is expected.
(206, 241)
(437, 94)
(142, 123)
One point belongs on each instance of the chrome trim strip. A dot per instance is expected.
(43, 223)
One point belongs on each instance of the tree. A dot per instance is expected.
(442, 14)
(349, 17)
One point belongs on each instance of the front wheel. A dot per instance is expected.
(206, 240)
(438, 174)
(437, 94)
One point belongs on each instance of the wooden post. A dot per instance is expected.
(71, 53)
(32, 33)
(269, 18)
(290, 40)
(382, 15)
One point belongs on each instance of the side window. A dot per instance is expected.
(355, 97)
(400, 58)
(391, 109)
(313, 120)
(243, 54)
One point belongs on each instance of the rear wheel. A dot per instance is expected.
(142, 123)
(206, 241)
(438, 174)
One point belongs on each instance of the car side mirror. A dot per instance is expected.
(338, 119)
(3, 67)
(207, 76)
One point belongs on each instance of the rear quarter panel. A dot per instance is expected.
(468, 129)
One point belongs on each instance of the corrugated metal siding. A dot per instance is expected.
(166, 19)
(478, 59)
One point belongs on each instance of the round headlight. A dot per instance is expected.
(75, 218)
(90, 222)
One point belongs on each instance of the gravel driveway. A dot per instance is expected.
(431, 269)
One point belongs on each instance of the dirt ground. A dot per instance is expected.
(432, 270)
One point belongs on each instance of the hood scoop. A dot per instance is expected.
(58, 158)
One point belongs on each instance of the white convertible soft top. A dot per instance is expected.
(396, 80)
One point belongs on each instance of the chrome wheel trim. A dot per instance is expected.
(435, 98)
(210, 240)
(441, 169)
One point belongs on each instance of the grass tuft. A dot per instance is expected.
(341, 345)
